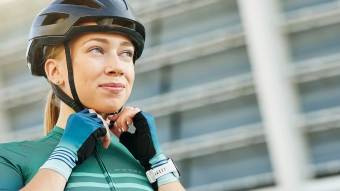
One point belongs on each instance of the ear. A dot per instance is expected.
(53, 71)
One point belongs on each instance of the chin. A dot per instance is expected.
(106, 107)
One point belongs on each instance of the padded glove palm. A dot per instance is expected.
(144, 146)
(143, 143)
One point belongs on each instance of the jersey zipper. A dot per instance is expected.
(105, 171)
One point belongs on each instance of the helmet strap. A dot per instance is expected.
(75, 104)
(65, 98)
(70, 76)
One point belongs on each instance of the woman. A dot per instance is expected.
(88, 48)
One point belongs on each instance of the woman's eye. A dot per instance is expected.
(96, 49)
(128, 53)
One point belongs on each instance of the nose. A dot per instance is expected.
(114, 67)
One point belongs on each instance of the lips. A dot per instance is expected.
(113, 87)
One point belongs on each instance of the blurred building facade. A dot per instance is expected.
(246, 93)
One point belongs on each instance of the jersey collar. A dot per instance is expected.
(57, 130)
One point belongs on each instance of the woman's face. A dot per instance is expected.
(103, 70)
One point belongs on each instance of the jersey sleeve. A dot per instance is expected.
(13, 161)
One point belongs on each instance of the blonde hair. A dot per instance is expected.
(52, 110)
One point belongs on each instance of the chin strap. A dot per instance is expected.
(70, 76)
(75, 104)
(65, 98)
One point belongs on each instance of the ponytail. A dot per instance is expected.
(51, 111)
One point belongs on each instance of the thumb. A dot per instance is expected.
(106, 138)
(113, 117)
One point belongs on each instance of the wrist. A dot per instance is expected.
(62, 160)
(167, 178)
(162, 174)
(158, 160)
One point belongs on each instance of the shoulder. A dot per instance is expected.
(13, 156)
(12, 165)
(12, 150)
(26, 157)
(22, 148)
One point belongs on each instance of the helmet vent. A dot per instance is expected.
(124, 23)
(85, 3)
(116, 22)
(53, 18)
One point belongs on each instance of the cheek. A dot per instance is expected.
(130, 76)
(86, 76)
(88, 69)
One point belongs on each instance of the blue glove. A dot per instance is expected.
(77, 143)
(144, 145)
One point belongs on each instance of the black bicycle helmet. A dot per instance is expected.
(110, 15)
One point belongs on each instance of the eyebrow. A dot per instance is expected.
(102, 40)
(126, 43)
(105, 41)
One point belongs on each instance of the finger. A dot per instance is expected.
(113, 117)
(106, 138)
(92, 111)
(104, 122)
(121, 124)
(131, 114)
(136, 110)
(129, 120)
(124, 125)
(125, 118)
(115, 130)
(119, 121)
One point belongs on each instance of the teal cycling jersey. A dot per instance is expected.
(105, 170)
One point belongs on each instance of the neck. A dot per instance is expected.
(66, 111)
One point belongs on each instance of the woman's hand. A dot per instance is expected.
(122, 120)
(82, 131)
(143, 144)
